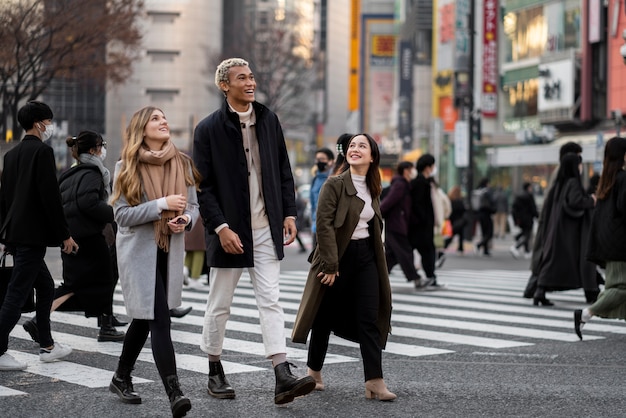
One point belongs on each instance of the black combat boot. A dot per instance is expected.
(122, 385)
(178, 402)
(108, 331)
(218, 385)
(289, 386)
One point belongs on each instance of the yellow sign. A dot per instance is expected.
(9, 135)
(353, 84)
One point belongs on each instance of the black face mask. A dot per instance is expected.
(321, 165)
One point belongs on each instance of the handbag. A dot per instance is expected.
(5, 277)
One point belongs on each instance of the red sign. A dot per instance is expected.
(489, 106)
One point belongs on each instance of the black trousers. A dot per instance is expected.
(422, 239)
(398, 250)
(486, 228)
(358, 283)
(30, 270)
(525, 238)
(159, 329)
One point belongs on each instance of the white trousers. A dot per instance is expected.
(265, 277)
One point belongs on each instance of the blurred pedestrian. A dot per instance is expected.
(249, 218)
(324, 159)
(501, 200)
(300, 220)
(347, 290)
(87, 274)
(442, 208)
(396, 210)
(194, 256)
(484, 205)
(341, 147)
(607, 239)
(537, 252)
(31, 219)
(524, 213)
(421, 227)
(457, 218)
(563, 265)
(154, 201)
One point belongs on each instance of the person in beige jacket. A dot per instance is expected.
(347, 290)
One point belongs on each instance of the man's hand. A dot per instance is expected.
(289, 231)
(230, 241)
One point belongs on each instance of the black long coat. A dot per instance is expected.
(607, 239)
(565, 230)
(224, 194)
(31, 213)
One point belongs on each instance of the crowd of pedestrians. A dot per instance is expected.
(164, 218)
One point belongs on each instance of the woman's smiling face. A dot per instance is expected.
(359, 152)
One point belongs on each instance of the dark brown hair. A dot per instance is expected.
(614, 151)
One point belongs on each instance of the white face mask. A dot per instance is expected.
(413, 174)
(103, 154)
(434, 172)
(47, 132)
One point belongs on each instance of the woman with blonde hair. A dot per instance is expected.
(154, 202)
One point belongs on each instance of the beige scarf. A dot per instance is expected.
(162, 174)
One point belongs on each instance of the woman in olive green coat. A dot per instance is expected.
(347, 290)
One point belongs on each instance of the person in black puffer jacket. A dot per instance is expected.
(87, 273)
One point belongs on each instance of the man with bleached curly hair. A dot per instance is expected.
(247, 203)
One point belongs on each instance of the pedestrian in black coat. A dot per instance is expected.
(31, 219)
(396, 210)
(607, 239)
(524, 213)
(564, 231)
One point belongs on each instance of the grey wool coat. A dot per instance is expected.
(338, 213)
(137, 253)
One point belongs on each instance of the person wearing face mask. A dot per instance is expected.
(87, 274)
(422, 223)
(31, 219)
(324, 159)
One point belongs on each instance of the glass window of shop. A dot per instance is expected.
(541, 30)
(521, 98)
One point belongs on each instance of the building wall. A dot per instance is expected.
(616, 77)
(337, 70)
(172, 73)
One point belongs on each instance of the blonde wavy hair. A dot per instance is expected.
(128, 181)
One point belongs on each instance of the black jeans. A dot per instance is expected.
(486, 228)
(159, 329)
(525, 238)
(422, 240)
(359, 281)
(398, 250)
(30, 270)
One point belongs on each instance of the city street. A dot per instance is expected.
(474, 349)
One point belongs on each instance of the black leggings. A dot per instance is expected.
(159, 329)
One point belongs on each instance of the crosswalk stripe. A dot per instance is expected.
(5, 391)
(79, 374)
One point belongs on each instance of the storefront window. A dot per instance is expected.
(522, 99)
(526, 34)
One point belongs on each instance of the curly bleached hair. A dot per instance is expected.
(128, 182)
(221, 74)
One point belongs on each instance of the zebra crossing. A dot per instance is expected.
(477, 310)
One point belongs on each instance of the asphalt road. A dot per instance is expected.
(477, 349)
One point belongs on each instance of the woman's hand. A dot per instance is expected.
(178, 224)
(327, 278)
(176, 202)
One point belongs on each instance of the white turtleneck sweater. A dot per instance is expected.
(361, 231)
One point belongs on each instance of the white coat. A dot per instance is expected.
(137, 253)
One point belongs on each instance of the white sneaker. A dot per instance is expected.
(195, 284)
(57, 352)
(8, 362)
(527, 256)
(514, 251)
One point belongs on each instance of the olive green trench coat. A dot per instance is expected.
(337, 216)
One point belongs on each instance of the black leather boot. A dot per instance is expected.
(179, 403)
(218, 385)
(289, 386)
(180, 312)
(122, 385)
(108, 331)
